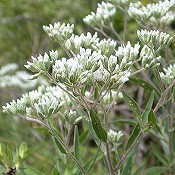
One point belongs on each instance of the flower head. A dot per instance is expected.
(59, 32)
(103, 15)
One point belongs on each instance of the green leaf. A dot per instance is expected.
(152, 121)
(76, 143)
(148, 108)
(133, 105)
(128, 167)
(23, 149)
(159, 155)
(139, 171)
(96, 92)
(144, 84)
(133, 137)
(96, 124)
(156, 170)
(84, 137)
(59, 146)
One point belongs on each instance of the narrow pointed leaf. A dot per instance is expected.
(152, 121)
(83, 137)
(148, 108)
(133, 105)
(96, 124)
(96, 92)
(133, 137)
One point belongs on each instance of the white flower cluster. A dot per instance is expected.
(139, 12)
(121, 3)
(169, 74)
(59, 32)
(42, 102)
(89, 41)
(71, 117)
(153, 38)
(127, 54)
(85, 41)
(107, 46)
(75, 70)
(148, 58)
(153, 15)
(103, 15)
(114, 136)
(43, 62)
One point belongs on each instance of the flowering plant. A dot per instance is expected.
(93, 81)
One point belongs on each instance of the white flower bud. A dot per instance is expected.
(114, 136)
